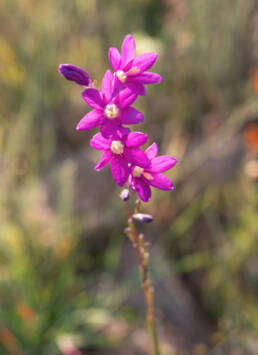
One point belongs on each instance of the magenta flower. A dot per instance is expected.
(73, 73)
(131, 70)
(111, 109)
(119, 152)
(142, 177)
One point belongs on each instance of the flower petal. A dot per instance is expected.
(152, 151)
(127, 50)
(99, 142)
(114, 58)
(149, 78)
(162, 163)
(122, 131)
(126, 98)
(109, 128)
(104, 160)
(128, 66)
(118, 84)
(136, 156)
(135, 86)
(161, 182)
(143, 189)
(93, 98)
(145, 61)
(131, 116)
(89, 121)
(107, 86)
(136, 139)
(120, 170)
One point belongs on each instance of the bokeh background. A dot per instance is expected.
(69, 281)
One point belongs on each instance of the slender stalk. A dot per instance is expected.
(142, 255)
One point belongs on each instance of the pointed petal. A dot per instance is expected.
(149, 78)
(143, 189)
(135, 86)
(107, 86)
(104, 160)
(136, 139)
(127, 50)
(120, 170)
(93, 98)
(126, 98)
(131, 116)
(162, 182)
(152, 151)
(162, 163)
(136, 156)
(99, 142)
(145, 61)
(114, 58)
(89, 121)
(128, 66)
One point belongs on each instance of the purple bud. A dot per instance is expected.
(74, 73)
(125, 195)
(142, 217)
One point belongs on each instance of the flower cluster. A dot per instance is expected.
(113, 112)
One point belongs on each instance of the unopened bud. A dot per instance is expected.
(142, 217)
(125, 195)
(74, 73)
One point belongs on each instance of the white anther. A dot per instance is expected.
(121, 75)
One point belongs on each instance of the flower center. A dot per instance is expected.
(111, 111)
(137, 172)
(117, 147)
(121, 75)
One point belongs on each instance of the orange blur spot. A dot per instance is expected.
(251, 137)
(26, 313)
(254, 78)
(7, 337)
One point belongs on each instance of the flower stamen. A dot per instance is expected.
(133, 70)
(147, 176)
(117, 147)
(111, 111)
(137, 171)
(121, 76)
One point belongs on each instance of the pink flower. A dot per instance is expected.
(131, 70)
(111, 109)
(119, 152)
(141, 178)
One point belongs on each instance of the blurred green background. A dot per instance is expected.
(69, 282)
